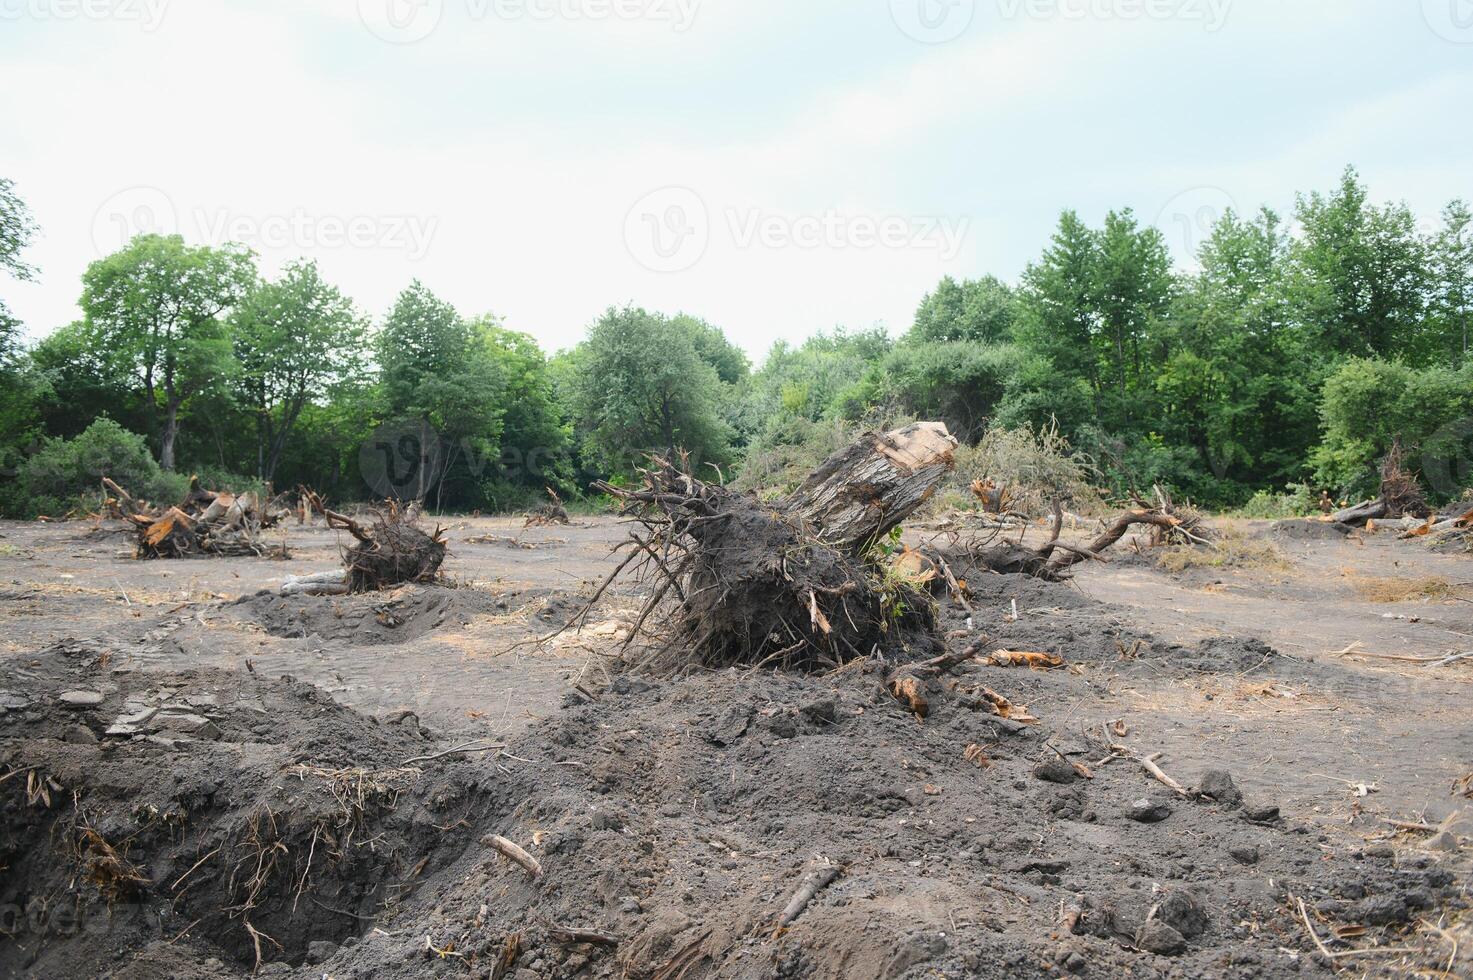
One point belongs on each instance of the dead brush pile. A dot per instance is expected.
(215, 523)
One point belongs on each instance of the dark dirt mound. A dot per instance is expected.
(368, 619)
(208, 812)
(1310, 530)
(676, 819)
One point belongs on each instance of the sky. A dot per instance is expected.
(777, 167)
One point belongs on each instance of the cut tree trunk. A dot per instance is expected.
(862, 493)
(1357, 516)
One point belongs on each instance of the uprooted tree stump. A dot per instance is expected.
(789, 583)
(549, 514)
(1401, 495)
(389, 552)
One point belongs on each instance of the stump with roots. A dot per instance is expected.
(389, 552)
(791, 584)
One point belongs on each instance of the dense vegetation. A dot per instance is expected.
(1290, 358)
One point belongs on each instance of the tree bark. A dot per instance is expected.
(1358, 515)
(863, 492)
(170, 433)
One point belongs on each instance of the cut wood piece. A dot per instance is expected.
(515, 853)
(1357, 516)
(863, 492)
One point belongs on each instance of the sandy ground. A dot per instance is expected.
(681, 814)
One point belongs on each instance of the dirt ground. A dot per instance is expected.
(201, 778)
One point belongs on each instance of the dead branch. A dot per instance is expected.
(514, 853)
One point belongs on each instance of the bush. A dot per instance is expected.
(1297, 500)
(1034, 465)
(65, 471)
(218, 478)
(1368, 403)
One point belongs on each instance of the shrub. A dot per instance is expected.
(1034, 465)
(1297, 500)
(65, 471)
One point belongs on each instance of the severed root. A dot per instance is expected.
(1148, 763)
(908, 684)
(587, 937)
(1035, 661)
(515, 853)
(910, 692)
(813, 883)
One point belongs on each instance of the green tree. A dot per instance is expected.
(1360, 274)
(535, 437)
(641, 385)
(1058, 315)
(294, 339)
(436, 369)
(1452, 268)
(20, 387)
(155, 308)
(975, 309)
(1132, 289)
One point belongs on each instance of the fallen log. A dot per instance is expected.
(792, 583)
(1370, 510)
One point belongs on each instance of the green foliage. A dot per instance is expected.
(981, 310)
(640, 385)
(1368, 403)
(1034, 466)
(442, 370)
(294, 339)
(64, 471)
(1278, 359)
(154, 312)
(1297, 500)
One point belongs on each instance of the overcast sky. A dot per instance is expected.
(775, 166)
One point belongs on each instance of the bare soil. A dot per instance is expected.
(201, 778)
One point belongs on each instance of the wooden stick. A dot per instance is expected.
(515, 853)
(562, 934)
(1309, 928)
(956, 588)
(813, 883)
(1148, 763)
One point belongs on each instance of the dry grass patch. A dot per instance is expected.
(1415, 589)
(1231, 549)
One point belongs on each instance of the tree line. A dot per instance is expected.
(1292, 354)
